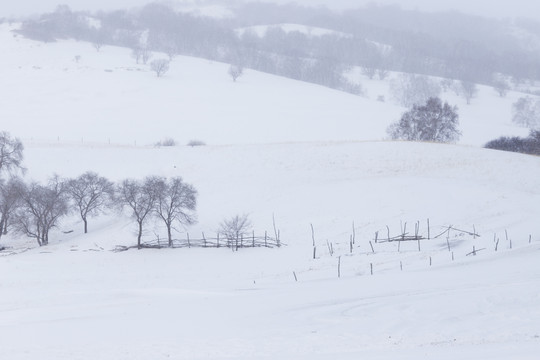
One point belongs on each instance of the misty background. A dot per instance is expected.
(376, 38)
(502, 9)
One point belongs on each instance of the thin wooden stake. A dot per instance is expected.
(372, 249)
(530, 238)
(401, 265)
(353, 234)
(314, 252)
(428, 230)
(312, 234)
(371, 267)
(339, 267)
(188, 242)
(330, 248)
(204, 239)
(276, 232)
(295, 278)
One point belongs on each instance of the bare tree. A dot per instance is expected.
(10, 200)
(98, 39)
(140, 197)
(146, 55)
(433, 121)
(411, 89)
(469, 90)
(235, 71)
(41, 208)
(369, 71)
(92, 194)
(136, 53)
(526, 112)
(175, 202)
(235, 227)
(141, 54)
(502, 87)
(160, 66)
(11, 153)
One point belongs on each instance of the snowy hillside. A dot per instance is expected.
(77, 299)
(310, 158)
(105, 97)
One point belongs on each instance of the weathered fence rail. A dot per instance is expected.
(209, 242)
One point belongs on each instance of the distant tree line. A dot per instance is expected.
(34, 209)
(375, 38)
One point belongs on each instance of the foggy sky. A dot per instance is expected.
(490, 8)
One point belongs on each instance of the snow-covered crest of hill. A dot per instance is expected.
(261, 30)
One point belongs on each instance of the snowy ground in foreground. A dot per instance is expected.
(76, 299)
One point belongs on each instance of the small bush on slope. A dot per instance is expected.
(528, 145)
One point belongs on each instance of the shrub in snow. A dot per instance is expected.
(235, 227)
(166, 142)
(196, 143)
(160, 66)
(528, 145)
(433, 121)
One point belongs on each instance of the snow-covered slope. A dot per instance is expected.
(105, 97)
(76, 299)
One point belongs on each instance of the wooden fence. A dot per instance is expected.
(219, 241)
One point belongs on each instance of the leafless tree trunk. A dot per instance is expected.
(140, 197)
(175, 202)
(92, 195)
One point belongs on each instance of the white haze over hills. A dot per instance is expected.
(499, 9)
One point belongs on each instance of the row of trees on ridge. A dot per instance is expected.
(34, 209)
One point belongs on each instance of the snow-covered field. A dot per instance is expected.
(302, 154)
